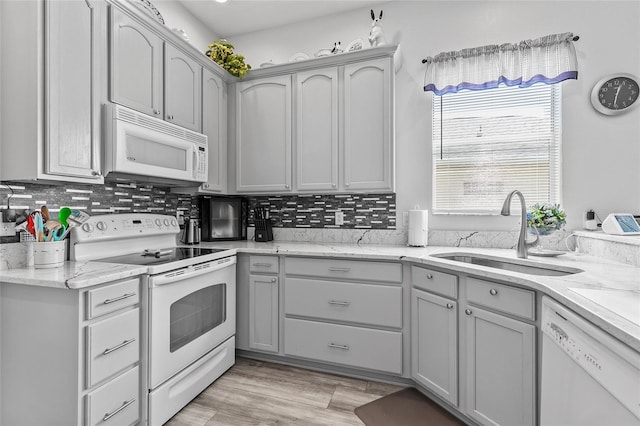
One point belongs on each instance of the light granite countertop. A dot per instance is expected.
(74, 275)
(602, 277)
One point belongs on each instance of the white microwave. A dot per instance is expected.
(141, 147)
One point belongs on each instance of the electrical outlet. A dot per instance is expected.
(339, 217)
(7, 229)
(405, 218)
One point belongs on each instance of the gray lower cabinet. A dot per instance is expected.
(345, 312)
(263, 313)
(434, 344)
(73, 354)
(500, 361)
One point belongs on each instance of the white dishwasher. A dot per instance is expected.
(588, 377)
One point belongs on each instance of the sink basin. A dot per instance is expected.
(522, 266)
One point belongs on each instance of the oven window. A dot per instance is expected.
(196, 314)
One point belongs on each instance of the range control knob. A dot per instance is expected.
(166, 222)
(158, 222)
(101, 226)
(87, 227)
(174, 223)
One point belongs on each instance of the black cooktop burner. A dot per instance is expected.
(162, 256)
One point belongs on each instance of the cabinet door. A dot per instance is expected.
(74, 46)
(136, 65)
(263, 313)
(214, 125)
(263, 135)
(501, 369)
(182, 89)
(434, 344)
(317, 130)
(368, 125)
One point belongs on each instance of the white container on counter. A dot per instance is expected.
(418, 228)
(50, 254)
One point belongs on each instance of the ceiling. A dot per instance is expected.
(245, 16)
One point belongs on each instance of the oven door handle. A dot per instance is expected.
(191, 271)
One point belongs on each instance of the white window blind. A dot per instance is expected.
(487, 143)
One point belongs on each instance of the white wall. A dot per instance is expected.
(601, 155)
(176, 16)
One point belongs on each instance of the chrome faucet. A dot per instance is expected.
(521, 248)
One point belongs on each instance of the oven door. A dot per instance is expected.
(191, 311)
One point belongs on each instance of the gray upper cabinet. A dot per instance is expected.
(183, 89)
(316, 141)
(263, 135)
(136, 65)
(368, 125)
(341, 132)
(53, 83)
(500, 360)
(214, 125)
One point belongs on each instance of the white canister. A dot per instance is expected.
(50, 254)
(418, 227)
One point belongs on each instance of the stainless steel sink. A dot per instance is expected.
(522, 266)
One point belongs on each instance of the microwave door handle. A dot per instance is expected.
(195, 159)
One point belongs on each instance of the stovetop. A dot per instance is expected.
(162, 256)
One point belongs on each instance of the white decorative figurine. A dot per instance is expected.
(376, 35)
(337, 48)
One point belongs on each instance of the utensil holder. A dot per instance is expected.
(264, 231)
(50, 254)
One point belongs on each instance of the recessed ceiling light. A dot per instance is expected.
(221, 1)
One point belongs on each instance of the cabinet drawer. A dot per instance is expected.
(342, 344)
(435, 282)
(510, 300)
(362, 303)
(345, 269)
(263, 264)
(112, 345)
(117, 402)
(110, 298)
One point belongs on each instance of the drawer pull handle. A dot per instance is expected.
(122, 407)
(116, 299)
(449, 306)
(263, 264)
(271, 281)
(343, 347)
(334, 269)
(121, 345)
(337, 302)
(468, 311)
(429, 276)
(493, 292)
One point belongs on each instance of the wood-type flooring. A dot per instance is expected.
(262, 393)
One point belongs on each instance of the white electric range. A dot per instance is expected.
(189, 304)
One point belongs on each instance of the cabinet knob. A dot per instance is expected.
(273, 280)
(95, 173)
(286, 186)
(429, 276)
(206, 185)
(333, 185)
(449, 306)
(468, 311)
(156, 111)
(346, 184)
(493, 292)
(170, 117)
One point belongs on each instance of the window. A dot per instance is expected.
(487, 143)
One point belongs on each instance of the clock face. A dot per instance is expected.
(615, 94)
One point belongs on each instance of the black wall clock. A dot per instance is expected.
(615, 94)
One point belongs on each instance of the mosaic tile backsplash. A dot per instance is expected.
(361, 211)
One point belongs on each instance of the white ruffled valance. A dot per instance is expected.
(549, 59)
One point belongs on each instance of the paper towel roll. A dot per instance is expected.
(418, 227)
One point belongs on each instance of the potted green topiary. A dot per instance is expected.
(221, 52)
